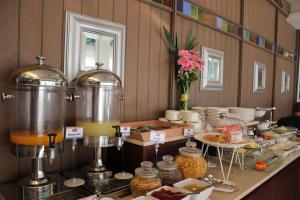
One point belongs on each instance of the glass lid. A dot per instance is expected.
(190, 149)
(38, 74)
(146, 171)
(167, 163)
(98, 78)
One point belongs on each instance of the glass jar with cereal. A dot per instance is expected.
(190, 161)
(146, 179)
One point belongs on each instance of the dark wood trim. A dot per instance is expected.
(241, 52)
(275, 59)
(158, 5)
(297, 64)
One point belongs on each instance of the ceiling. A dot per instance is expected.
(294, 16)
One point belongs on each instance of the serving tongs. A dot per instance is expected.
(148, 128)
(220, 184)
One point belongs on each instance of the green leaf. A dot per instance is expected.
(170, 41)
(190, 40)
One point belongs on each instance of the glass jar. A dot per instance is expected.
(146, 179)
(168, 171)
(190, 161)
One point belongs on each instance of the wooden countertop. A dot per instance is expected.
(246, 181)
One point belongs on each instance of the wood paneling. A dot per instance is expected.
(248, 97)
(286, 34)
(283, 102)
(259, 17)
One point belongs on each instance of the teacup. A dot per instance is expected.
(189, 116)
(173, 115)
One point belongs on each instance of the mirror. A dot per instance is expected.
(212, 75)
(89, 40)
(259, 77)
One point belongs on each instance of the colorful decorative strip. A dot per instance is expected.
(202, 15)
(265, 44)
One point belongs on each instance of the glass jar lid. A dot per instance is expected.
(146, 171)
(167, 163)
(190, 150)
(98, 78)
(38, 74)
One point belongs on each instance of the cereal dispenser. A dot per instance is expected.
(37, 111)
(98, 111)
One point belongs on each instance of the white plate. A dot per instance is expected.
(169, 188)
(200, 137)
(203, 195)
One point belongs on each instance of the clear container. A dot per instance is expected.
(37, 104)
(190, 161)
(168, 171)
(98, 107)
(146, 179)
(227, 130)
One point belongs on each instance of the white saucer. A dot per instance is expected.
(123, 176)
(74, 182)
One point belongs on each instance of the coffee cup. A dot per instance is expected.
(172, 115)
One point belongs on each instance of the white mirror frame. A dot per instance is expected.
(205, 84)
(285, 88)
(74, 25)
(259, 66)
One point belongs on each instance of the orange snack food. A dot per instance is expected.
(26, 138)
(192, 167)
(260, 165)
(221, 138)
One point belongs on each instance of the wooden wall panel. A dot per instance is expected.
(248, 98)
(259, 17)
(283, 102)
(286, 34)
(229, 9)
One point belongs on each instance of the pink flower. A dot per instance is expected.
(189, 60)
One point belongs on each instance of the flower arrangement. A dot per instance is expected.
(188, 65)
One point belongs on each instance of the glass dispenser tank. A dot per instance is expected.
(37, 111)
(99, 94)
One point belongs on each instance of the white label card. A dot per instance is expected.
(125, 131)
(93, 197)
(158, 136)
(74, 132)
(187, 132)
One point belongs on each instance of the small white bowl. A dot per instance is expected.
(143, 198)
(260, 113)
(173, 189)
(203, 195)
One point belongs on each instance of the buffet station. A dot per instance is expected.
(202, 153)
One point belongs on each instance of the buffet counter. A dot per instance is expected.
(254, 184)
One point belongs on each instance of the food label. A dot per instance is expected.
(74, 132)
(157, 136)
(188, 132)
(125, 131)
(93, 197)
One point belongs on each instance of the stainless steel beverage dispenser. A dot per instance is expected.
(37, 112)
(98, 112)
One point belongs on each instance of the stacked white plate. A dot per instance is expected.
(201, 111)
(213, 114)
(245, 114)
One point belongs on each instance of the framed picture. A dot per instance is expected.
(285, 82)
(213, 73)
(259, 77)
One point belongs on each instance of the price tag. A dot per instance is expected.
(125, 131)
(158, 136)
(74, 132)
(93, 197)
(188, 132)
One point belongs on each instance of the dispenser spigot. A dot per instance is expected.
(119, 139)
(51, 147)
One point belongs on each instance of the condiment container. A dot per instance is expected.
(168, 171)
(146, 179)
(190, 161)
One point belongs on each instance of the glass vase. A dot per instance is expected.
(184, 94)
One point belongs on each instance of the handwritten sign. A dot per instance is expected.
(188, 132)
(158, 136)
(74, 132)
(125, 131)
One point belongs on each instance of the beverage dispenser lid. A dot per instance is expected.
(38, 74)
(98, 78)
